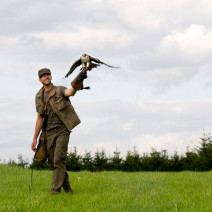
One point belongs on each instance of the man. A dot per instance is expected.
(56, 118)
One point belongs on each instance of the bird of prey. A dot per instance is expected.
(87, 63)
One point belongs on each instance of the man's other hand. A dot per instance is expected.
(33, 145)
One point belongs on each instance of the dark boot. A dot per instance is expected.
(68, 189)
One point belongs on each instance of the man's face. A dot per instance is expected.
(46, 79)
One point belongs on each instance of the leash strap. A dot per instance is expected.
(30, 186)
(47, 100)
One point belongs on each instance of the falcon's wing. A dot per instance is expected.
(74, 66)
(99, 61)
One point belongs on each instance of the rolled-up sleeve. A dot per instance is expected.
(63, 88)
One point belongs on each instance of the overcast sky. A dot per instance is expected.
(160, 97)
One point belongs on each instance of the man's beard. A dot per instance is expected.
(47, 84)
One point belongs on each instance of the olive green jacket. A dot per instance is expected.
(60, 105)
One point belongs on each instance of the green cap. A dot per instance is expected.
(43, 71)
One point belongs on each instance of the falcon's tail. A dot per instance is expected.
(110, 66)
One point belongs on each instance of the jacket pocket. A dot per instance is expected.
(60, 104)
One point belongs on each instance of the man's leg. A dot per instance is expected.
(60, 176)
(66, 183)
(50, 145)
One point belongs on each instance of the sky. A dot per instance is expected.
(159, 98)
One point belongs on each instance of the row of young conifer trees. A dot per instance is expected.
(198, 159)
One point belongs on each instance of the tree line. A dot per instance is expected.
(198, 159)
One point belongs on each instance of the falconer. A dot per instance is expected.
(56, 118)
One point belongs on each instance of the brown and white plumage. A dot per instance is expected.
(87, 63)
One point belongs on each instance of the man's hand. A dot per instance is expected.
(77, 83)
(33, 145)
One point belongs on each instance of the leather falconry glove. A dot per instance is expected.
(77, 83)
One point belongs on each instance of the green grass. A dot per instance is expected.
(107, 191)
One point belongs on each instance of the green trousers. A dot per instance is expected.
(57, 146)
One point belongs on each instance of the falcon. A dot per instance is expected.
(87, 63)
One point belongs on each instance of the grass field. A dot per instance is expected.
(107, 191)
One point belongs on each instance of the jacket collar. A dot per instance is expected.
(40, 92)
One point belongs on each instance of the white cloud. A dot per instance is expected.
(146, 13)
(84, 37)
(206, 5)
(196, 39)
(171, 141)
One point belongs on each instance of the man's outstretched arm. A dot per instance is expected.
(70, 92)
(38, 127)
